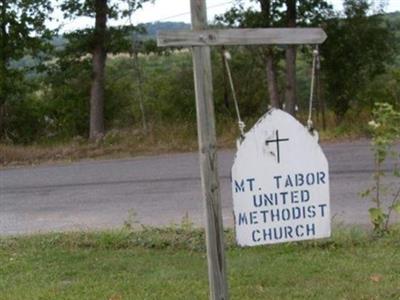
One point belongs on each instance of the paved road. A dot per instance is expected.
(154, 190)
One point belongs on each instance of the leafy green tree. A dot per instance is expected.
(358, 48)
(22, 33)
(99, 42)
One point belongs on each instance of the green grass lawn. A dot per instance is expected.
(171, 264)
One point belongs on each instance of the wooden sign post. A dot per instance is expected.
(200, 39)
(208, 158)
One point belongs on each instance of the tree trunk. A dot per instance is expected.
(272, 81)
(224, 79)
(290, 54)
(99, 61)
(3, 64)
(320, 98)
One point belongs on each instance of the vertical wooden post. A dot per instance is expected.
(208, 157)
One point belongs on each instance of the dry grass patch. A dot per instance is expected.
(160, 138)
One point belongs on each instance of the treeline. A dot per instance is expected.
(95, 80)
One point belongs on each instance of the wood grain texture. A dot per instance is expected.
(253, 36)
(208, 159)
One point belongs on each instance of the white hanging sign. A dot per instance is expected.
(280, 183)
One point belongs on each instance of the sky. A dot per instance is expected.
(179, 10)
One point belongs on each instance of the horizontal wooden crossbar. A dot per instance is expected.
(253, 36)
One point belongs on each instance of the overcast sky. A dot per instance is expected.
(178, 10)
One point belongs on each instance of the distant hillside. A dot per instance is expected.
(393, 20)
(393, 16)
(153, 28)
(151, 31)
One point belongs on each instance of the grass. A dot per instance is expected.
(170, 263)
(116, 144)
(161, 138)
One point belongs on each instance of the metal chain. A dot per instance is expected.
(241, 125)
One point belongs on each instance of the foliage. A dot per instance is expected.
(22, 33)
(358, 48)
(54, 106)
(86, 8)
(310, 13)
(24, 119)
(274, 14)
(385, 129)
(383, 88)
(101, 41)
(67, 87)
(23, 30)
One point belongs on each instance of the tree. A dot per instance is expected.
(358, 48)
(290, 55)
(101, 41)
(22, 33)
(266, 17)
(310, 13)
(99, 62)
(272, 77)
(279, 13)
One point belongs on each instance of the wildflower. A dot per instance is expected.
(373, 124)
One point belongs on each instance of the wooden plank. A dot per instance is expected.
(208, 159)
(250, 36)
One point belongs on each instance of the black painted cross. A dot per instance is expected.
(277, 141)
